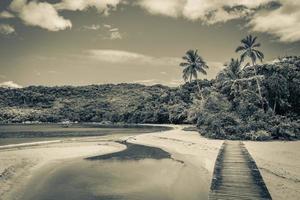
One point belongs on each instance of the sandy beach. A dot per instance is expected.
(18, 164)
(279, 165)
(278, 161)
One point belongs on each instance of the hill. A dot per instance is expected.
(128, 103)
(232, 106)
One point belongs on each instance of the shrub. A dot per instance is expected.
(260, 135)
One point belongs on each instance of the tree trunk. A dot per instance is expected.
(274, 107)
(200, 91)
(258, 85)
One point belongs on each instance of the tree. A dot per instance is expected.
(278, 92)
(249, 49)
(193, 64)
(230, 81)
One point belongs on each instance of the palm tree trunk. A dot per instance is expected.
(258, 84)
(200, 91)
(274, 107)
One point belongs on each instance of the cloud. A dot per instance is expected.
(108, 32)
(107, 26)
(173, 82)
(171, 8)
(283, 23)
(280, 18)
(116, 35)
(117, 56)
(122, 57)
(111, 33)
(207, 11)
(92, 27)
(10, 84)
(101, 5)
(114, 30)
(6, 15)
(41, 14)
(6, 29)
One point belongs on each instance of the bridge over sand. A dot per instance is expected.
(236, 175)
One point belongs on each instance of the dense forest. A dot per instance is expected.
(255, 102)
(128, 103)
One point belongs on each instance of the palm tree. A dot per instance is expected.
(249, 49)
(232, 69)
(193, 64)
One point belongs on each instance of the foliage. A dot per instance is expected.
(236, 113)
(193, 63)
(127, 103)
(231, 108)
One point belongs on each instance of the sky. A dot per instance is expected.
(82, 42)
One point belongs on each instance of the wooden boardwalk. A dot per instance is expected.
(236, 175)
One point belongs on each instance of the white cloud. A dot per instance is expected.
(41, 14)
(122, 57)
(114, 30)
(6, 15)
(101, 5)
(172, 83)
(284, 22)
(10, 84)
(107, 26)
(117, 56)
(171, 8)
(6, 29)
(111, 33)
(116, 35)
(208, 11)
(92, 27)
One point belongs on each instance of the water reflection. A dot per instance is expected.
(118, 179)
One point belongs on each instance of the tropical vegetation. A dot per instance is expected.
(246, 100)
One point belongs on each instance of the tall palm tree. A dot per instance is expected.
(193, 64)
(249, 49)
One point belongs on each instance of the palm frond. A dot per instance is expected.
(259, 55)
(243, 56)
(183, 64)
(256, 45)
(202, 71)
(240, 48)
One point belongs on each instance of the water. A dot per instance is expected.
(138, 173)
(22, 133)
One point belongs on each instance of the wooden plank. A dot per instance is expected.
(236, 175)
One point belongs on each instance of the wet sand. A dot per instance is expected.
(19, 164)
(278, 161)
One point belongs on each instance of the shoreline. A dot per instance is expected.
(278, 161)
(21, 161)
(17, 165)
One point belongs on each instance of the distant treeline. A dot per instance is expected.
(128, 103)
(229, 108)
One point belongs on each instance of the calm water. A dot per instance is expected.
(21, 133)
(138, 173)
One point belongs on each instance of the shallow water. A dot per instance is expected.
(22, 133)
(113, 177)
